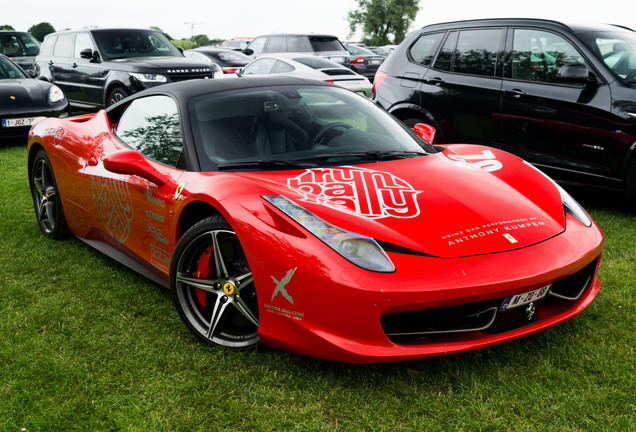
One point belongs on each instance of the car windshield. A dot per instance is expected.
(617, 50)
(118, 44)
(283, 127)
(19, 45)
(325, 43)
(8, 70)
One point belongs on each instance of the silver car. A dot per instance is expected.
(312, 67)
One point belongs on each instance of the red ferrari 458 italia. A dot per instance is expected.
(299, 215)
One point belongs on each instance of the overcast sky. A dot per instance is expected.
(228, 19)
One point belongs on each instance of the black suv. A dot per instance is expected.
(327, 46)
(560, 96)
(99, 67)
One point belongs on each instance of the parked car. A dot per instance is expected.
(24, 99)
(326, 46)
(235, 44)
(230, 61)
(21, 47)
(299, 215)
(364, 61)
(309, 67)
(99, 67)
(561, 96)
(379, 50)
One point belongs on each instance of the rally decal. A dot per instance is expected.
(370, 193)
(486, 160)
(114, 205)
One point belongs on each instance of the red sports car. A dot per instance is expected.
(299, 215)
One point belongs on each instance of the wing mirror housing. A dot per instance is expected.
(425, 131)
(574, 73)
(131, 162)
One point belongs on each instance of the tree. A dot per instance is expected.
(161, 31)
(200, 40)
(40, 30)
(7, 27)
(381, 18)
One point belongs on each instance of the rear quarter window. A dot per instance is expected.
(424, 48)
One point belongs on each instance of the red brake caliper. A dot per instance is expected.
(203, 272)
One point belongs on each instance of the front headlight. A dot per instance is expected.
(361, 250)
(55, 94)
(156, 78)
(570, 205)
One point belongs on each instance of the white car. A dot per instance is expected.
(312, 67)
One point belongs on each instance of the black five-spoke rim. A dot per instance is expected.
(216, 292)
(44, 195)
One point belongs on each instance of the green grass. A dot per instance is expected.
(87, 345)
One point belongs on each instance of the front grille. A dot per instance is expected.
(484, 316)
(183, 76)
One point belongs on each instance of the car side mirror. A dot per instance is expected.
(573, 73)
(131, 162)
(86, 53)
(248, 51)
(425, 131)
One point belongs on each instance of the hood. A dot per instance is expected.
(21, 94)
(154, 63)
(432, 204)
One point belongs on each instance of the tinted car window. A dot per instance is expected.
(325, 44)
(64, 46)
(316, 62)
(538, 55)
(134, 43)
(258, 44)
(476, 52)
(9, 70)
(83, 41)
(151, 126)
(445, 59)
(423, 50)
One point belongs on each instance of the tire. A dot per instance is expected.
(212, 286)
(47, 201)
(116, 95)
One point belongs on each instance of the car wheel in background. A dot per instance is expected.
(212, 286)
(46, 198)
(116, 95)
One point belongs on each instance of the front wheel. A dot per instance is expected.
(46, 198)
(116, 95)
(212, 286)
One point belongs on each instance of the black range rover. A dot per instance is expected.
(99, 67)
(561, 96)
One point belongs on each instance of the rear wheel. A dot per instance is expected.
(46, 198)
(212, 286)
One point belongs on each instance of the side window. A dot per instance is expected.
(258, 45)
(151, 126)
(445, 58)
(537, 55)
(82, 42)
(476, 52)
(64, 46)
(275, 44)
(47, 45)
(423, 50)
(260, 66)
(281, 67)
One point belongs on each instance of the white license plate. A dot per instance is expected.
(517, 300)
(374, 62)
(17, 122)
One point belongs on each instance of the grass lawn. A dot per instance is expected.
(87, 345)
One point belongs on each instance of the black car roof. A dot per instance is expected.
(192, 88)
(574, 27)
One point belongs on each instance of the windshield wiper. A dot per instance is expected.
(377, 154)
(266, 163)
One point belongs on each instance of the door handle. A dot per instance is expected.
(74, 65)
(515, 93)
(50, 62)
(436, 81)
